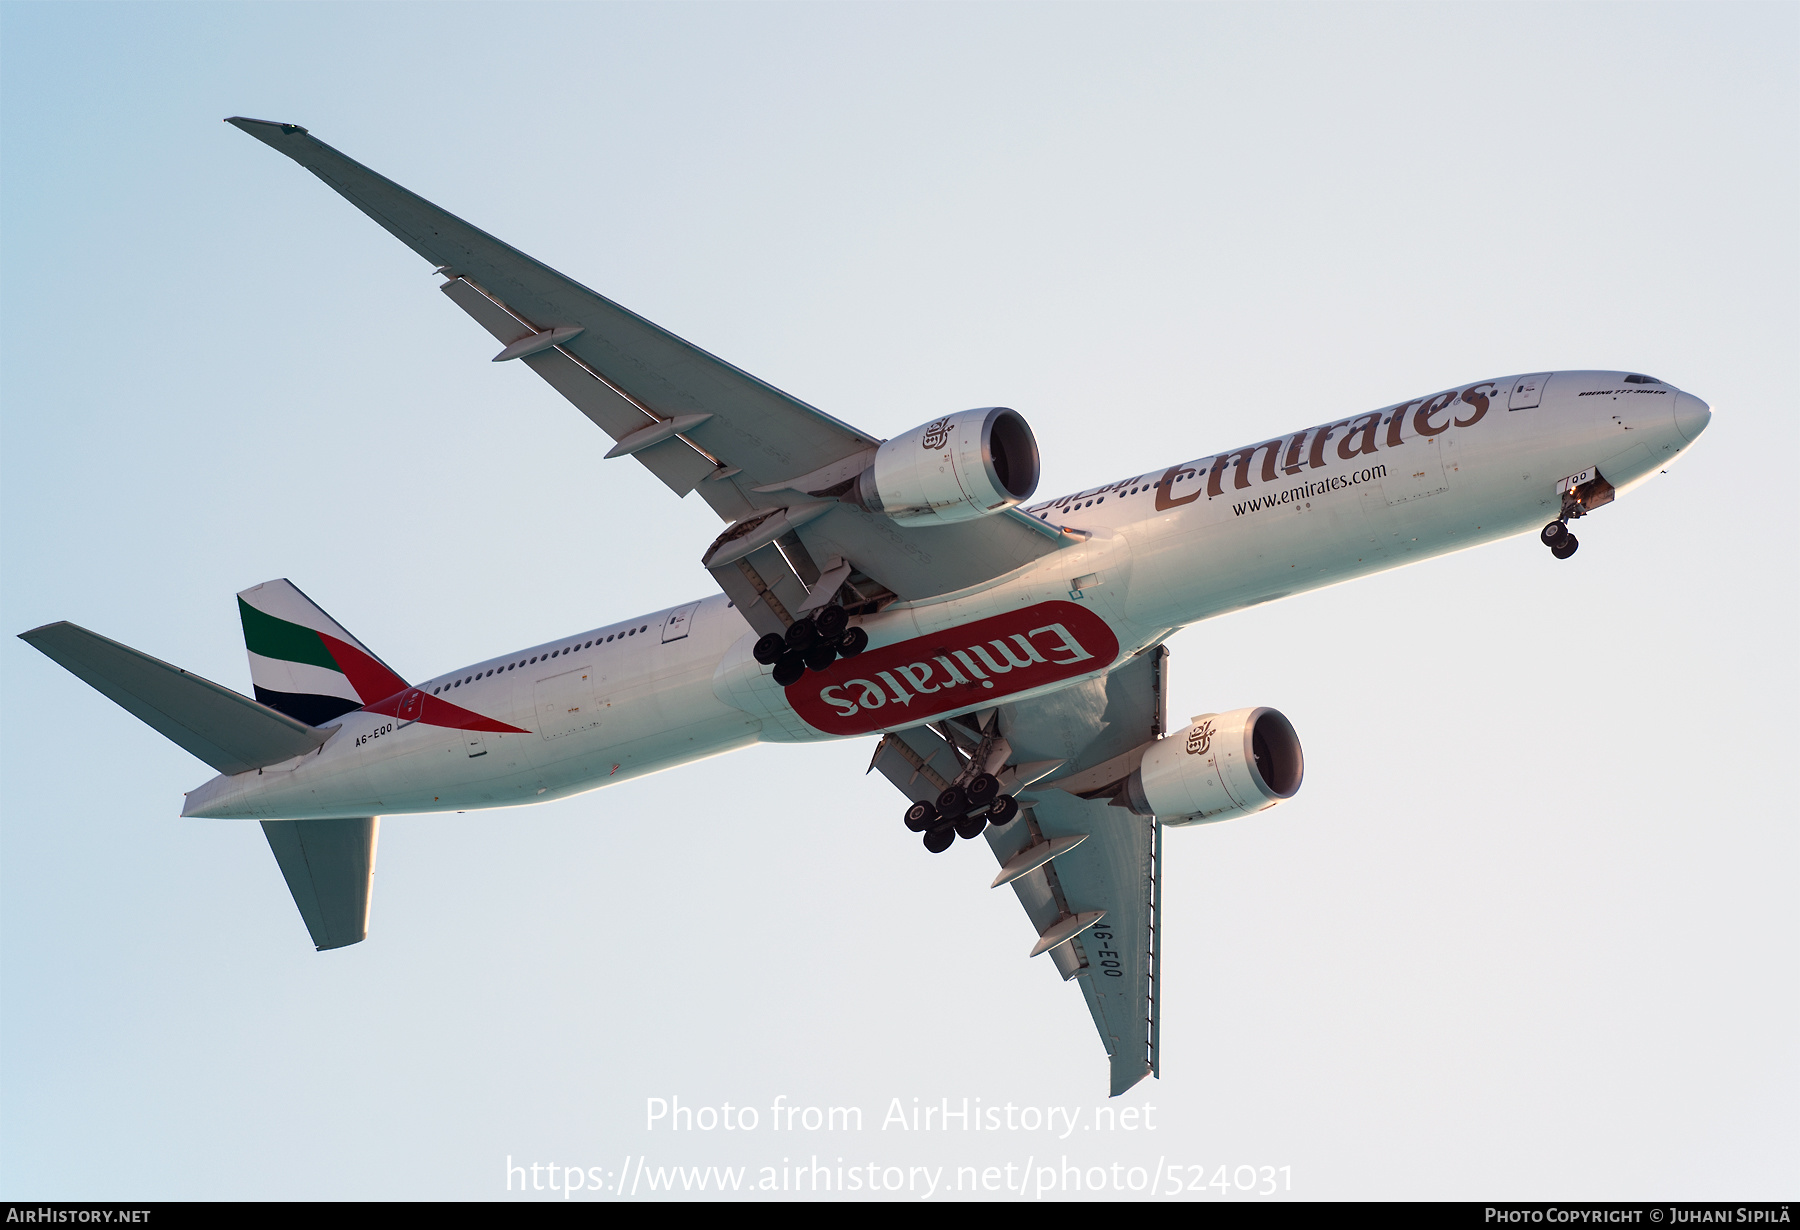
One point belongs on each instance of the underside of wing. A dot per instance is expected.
(1088, 874)
(751, 451)
(765, 432)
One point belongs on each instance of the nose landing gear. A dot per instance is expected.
(1581, 494)
(1556, 536)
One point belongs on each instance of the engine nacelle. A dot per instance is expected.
(956, 468)
(1224, 765)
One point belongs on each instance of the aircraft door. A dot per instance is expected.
(675, 627)
(1528, 391)
(412, 706)
(474, 743)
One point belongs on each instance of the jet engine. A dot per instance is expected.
(956, 468)
(1224, 765)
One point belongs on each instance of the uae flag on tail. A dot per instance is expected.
(303, 662)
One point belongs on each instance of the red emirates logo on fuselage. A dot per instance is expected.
(967, 667)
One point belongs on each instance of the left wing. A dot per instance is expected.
(1088, 874)
(755, 453)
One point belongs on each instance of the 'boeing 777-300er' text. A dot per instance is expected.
(1007, 657)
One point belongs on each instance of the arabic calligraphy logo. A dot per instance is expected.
(937, 435)
(1199, 740)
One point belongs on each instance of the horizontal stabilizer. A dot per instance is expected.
(329, 866)
(232, 733)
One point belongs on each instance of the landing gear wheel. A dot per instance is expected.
(971, 824)
(953, 802)
(1003, 810)
(790, 669)
(1553, 534)
(940, 838)
(801, 633)
(852, 643)
(820, 655)
(921, 816)
(831, 622)
(983, 789)
(1565, 548)
(769, 649)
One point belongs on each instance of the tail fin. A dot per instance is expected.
(303, 662)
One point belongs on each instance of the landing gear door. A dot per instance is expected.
(1528, 392)
(675, 627)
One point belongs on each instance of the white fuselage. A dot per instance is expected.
(1163, 550)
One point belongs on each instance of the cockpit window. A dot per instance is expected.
(1642, 380)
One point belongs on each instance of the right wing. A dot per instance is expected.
(695, 421)
(1089, 875)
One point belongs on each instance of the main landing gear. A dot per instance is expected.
(813, 643)
(1556, 536)
(961, 811)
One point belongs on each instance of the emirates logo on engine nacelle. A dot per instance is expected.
(1199, 740)
(937, 435)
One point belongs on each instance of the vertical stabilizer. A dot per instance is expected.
(303, 662)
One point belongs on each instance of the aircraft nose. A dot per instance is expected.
(1691, 416)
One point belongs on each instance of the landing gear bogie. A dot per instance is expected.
(941, 838)
(921, 816)
(813, 643)
(790, 669)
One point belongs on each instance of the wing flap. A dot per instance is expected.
(1115, 870)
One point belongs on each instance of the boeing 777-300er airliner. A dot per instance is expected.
(1007, 657)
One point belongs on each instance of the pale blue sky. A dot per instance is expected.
(1529, 928)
